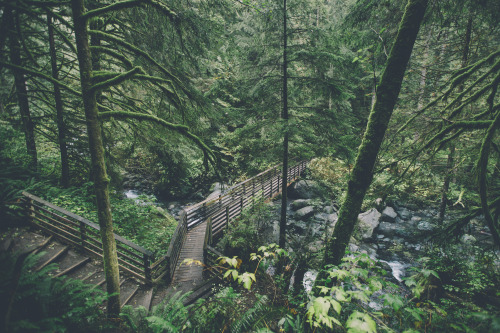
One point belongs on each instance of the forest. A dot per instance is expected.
(358, 140)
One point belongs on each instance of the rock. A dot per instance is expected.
(332, 219)
(379, 204)
(304, 190)
(300, 203)
(299, 226)
(370, 250)
(468, 239)
(353, 247)
(387, 229)
(389, 214)
(315, 246)
(329, 209)
(368, 221)
(416, 219)
(321, 217)
(304, 213)
(404, 213)
(425, 226)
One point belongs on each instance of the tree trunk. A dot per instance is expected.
(22, 97)
(101, 180)
(449, 162)
(282, 239)
(61, 126)
(378, 121)
(446, 185)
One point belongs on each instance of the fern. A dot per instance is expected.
(253, 317)
(169, 316)
(39, 302)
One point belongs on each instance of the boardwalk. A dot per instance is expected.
(140, 267)
(192, 249)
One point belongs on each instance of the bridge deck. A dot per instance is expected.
(191, 249)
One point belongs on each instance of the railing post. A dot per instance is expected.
(147, 268)
(227, 215)
(31, 210)
(83, 233)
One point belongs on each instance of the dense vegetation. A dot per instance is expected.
(396, 100)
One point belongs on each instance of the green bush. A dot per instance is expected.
(33, 301)
(140, 221)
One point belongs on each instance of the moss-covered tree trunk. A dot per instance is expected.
(101, 180)
(61, 126)
(282, 239)
(22, 94)
(387, 94)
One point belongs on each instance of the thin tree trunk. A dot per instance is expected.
(387, 94)
(282, 239)
(101, 180)
(22, 98)
(450, 159)
(61, 126)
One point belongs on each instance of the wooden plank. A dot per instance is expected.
(53, 258)
(73, 267)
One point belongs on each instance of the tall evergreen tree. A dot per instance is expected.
(387, 94)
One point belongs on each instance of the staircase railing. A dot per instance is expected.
(85, 234)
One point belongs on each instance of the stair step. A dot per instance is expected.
(129, 297)
(53, 258)
(42, 245)
(74, 267)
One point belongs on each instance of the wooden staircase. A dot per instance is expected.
(73, 243)
(73, 263)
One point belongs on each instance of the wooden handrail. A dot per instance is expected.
(79, 231)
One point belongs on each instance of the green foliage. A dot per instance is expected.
(331, 172)
(268, 254)
(129, 216)
(169, 316)
(355, 280)
(242, 236)
(41, 303)
(469, 271)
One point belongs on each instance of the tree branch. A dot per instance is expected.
(208, 154)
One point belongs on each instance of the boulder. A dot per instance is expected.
(387, 229)
(389, 214)
(368, 221)
(304, 190)
(404, 213)
(298, 226)
(332, 219)
(300, 203)
(468, 239)
(304, 213)
(425, 226)
(329, 209)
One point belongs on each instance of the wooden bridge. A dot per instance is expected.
(199, 225)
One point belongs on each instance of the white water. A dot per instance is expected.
(398, 269)
(308, 281)
(131, 194)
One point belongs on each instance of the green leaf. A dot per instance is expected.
(394, 301)
(359, 322)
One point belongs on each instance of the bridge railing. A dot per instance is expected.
(85, 234)
(220, 211)
(135, 259)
